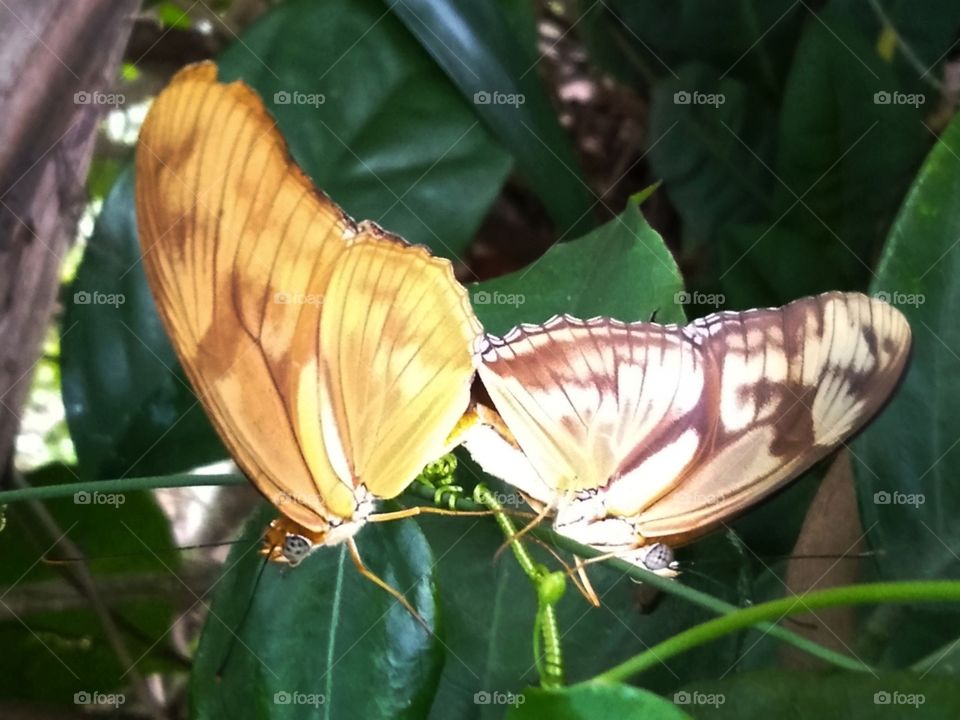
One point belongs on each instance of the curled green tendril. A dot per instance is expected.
(550, 587)
(452, 492)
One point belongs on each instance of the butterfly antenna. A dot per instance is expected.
(120, 556)
(234, 636)
(383, 585)
(577, 573)
(516, 537)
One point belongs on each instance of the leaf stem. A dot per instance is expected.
(121, 485)
(775, 610)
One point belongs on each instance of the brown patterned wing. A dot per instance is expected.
(678, 428)
(584, 398)
(795, 383)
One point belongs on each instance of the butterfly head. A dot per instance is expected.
(289, 543)
(658, 558)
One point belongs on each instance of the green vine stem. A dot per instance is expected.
(670, 587)
(868, 594)
(50, 492)
(550, 586)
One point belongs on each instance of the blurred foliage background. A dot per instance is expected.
(801, 146)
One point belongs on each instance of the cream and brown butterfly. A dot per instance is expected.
(642, 437)
(333, 358)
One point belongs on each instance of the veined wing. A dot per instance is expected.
(398, 337)
(682, 427)
(238, 247)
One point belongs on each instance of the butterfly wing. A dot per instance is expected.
(238, 248)
(678, 428)
(795, 382)
(583, 396)
(401, 335)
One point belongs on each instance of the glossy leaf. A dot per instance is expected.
(821, 696)
(847, 148)
(622, 269)
(320, 638)
(908, 461)
(586, 702)
(497, 72)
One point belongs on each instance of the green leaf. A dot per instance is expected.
(706, 133)
(909, 453)
(622, 269)
(822, 696)
(497, 73)
(749, 39)
(372, 120)
(587, 702)
(845, 159)
(320, 638)
(55, 648)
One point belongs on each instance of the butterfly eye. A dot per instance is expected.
(659, 557)
(296, 548)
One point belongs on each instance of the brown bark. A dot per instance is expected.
(51, 52)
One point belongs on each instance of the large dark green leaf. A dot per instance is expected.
(320, 639)
(845, 159)
(587, 702)
(644, 39)
(706, 135)
(497, 72)
(55, 649)
(910, 452)
(622, 269)
(908, 459)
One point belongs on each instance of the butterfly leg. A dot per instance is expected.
(415, 510)
(382, 584)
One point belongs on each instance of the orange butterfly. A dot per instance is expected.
(333, 358)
